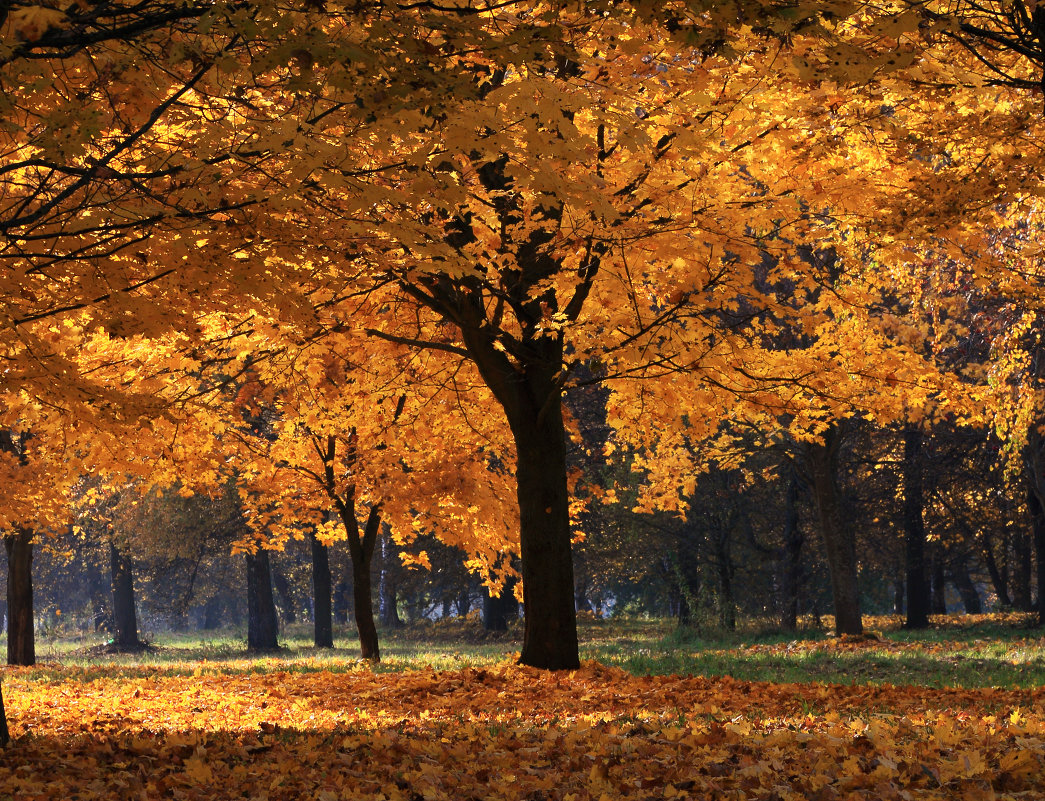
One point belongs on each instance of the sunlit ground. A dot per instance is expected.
(447, 716)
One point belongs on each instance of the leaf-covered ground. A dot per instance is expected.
(513, 733)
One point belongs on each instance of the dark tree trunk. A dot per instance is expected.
(322, 601)
(939, 597)
(918, 590)
(997, 579)
(1023, 570)
(899, 596)
(1037, 515)
(388, 590)
(212, 613)
(361, 549)
(550, 636)
(282, 588)
(5, 734)
(727, 608)
(499, 611)
(966, 587)
(262, 625)
(124, 616)
(464, 602)
(342, 602)
(791, 572)
(838, 538)
(21, 643)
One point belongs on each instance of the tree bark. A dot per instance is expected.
(262, 625)
(838, 538)
(342, 602)
(322, 595)
(21, 643)
(499, 610)
(791, 574)
(282, 588)
(966, 588)
(125, 618)
(388, 591)
(939, 597)
(5, 733)
(550, 636)
(1022, 572)
(997, 579)
(918, 590)
(361, 549)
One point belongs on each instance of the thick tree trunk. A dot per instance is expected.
(125, 618)
(500, 610)
(838, 538)
(322, 596)
(550, 637)
(21, 642)
(791, 572)
(262, 625)
(918, 590)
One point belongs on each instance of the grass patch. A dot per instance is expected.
(959, 652)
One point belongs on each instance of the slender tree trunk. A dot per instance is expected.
(212, 613)
(282, 588)
(5, 734)
(388, 591)
(899, 596)
(262, 625)
(361, 549)
(966, 588)
(342, 602)
(125, 618)
(997, 579)
(463, 602)
(918, 590)
(791, 574)
(1023, 570)
(322, 595)
(1037, 515)
(499, 610)
(727, 608)
(21, 642)
(939, 597)
(838, 538)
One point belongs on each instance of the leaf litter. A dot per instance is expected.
(509, 732)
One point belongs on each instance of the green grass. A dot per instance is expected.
(985, 651)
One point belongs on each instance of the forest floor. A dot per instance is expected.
(957, 712)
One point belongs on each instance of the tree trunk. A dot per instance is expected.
(997, 579)
(125, 619)
(5, 734)
(918, 590)
(939, 597)
(966, 588)
(212, 613)
(1022, 572)
(388, 591)
(361, 549)
(21, 643)
(550, 636)
(262, 625)
(322, 596)
(282, 588)
(342, 602)
(727, 608)
(499, 611)
(838, 538)
(791, 574)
